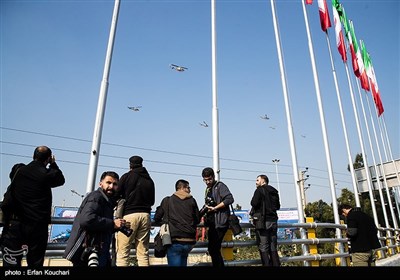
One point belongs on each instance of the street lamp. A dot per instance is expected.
(78, 194)
(276, 161)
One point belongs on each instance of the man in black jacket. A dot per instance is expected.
(94, 225)
(363, 235)
(138, 190)
(28, 229)
(265, 201)
(181, 212)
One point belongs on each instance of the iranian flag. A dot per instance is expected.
(374, 84)
(339, 34)
(363, 67)
(353, 48)
(324, 15)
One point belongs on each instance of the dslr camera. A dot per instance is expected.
(126, 229)
(208, 202)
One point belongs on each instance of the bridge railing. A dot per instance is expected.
(388, 237)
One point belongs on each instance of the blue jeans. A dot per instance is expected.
(177, 254)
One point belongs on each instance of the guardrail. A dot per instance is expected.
(392, 245)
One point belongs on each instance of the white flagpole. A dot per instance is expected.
(297, 182)
(378, 181)
(360, 138)
(324, 133)
(98, 128)
(350, 160)
(381, 167)
(215, 126)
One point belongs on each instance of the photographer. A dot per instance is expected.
(89, 243)
(217, 200)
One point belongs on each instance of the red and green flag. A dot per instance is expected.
(354, 49)
(363, 67)
(339, 34)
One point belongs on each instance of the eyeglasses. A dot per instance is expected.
(188, 188)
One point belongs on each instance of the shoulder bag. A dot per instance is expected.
(234, 223)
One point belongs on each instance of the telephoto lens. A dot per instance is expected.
(93, 259)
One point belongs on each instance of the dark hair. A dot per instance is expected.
(181, 184)
(207, 172)
(42, 153)
(343, 206)
(265, 178)
(109, 173)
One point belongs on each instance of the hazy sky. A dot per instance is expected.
(52, 63)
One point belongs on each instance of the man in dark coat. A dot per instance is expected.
(138, 190)
(265, 201)
(28, 229)
(94, 225)
(363, 235)
(218, 198)
(181, 212)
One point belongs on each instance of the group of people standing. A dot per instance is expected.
(96, 228)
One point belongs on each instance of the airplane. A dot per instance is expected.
(178, 68)
(265, 117)
(203, 124)
(134, 108)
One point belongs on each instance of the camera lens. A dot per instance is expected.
(93, 259)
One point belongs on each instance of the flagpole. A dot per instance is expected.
(390, 150)
(378, 181)
(95, 151)
(381, 167)
(215, 126)
(297, 182)
(324, 133)
(350, 160)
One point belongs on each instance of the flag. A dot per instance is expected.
(324, 15)
(354, 49)
(309, 2)
(339, 34)
(342, 15)
(363, 67)
(374, 84)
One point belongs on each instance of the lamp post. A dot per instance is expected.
(276, 161)
(78, 194)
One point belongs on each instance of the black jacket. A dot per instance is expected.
(362, 231)
(183, 214)
(137, 187)
(259, 197)
(95, 218)
(32, 191)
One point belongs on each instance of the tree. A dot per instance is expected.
(358, 162)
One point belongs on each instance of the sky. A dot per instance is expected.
(52, 62)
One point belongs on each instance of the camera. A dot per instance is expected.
(90, 255)
(208, 202)
(126, 230)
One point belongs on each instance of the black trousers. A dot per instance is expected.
(215, 238)
(24, 239)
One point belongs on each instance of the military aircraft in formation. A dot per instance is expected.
(178, 68)
(134, 108)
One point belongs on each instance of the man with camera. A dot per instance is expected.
(94, 224)
(218, 198)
